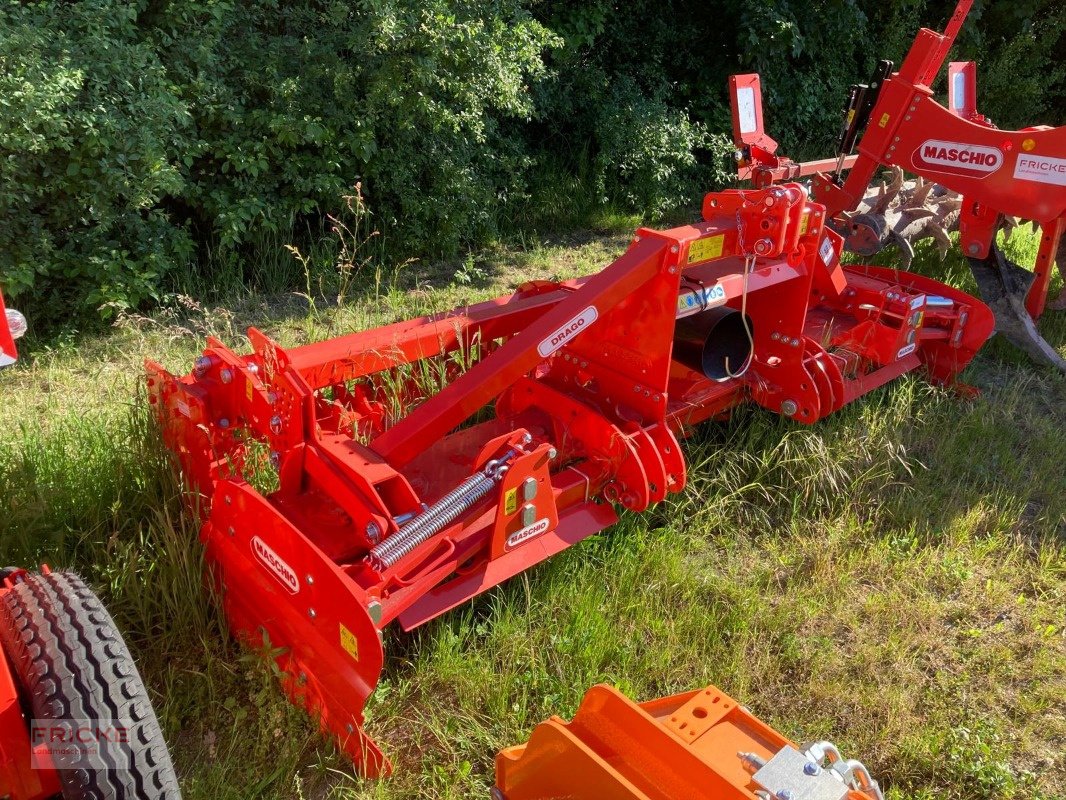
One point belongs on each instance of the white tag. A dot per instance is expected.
(564, 333)
(826, 251)
(1041, 169)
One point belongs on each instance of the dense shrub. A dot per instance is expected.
(89, 137)
(139, 141)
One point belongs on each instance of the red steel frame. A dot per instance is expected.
(1018, 173)
(574, 383)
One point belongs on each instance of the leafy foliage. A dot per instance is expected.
(144, 142)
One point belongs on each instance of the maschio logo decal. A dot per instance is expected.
(564, 333)
(958, 157)
(276, 564)
(527, 533)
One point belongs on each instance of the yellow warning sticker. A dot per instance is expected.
(248, 390)
(510, 501)
(805, 223)
(349, 642)
(883, 121)
(706, 249)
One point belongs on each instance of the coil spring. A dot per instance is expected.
(435, 518)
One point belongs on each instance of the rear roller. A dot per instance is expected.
(1003, 286)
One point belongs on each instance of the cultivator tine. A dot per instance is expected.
(1003, 286)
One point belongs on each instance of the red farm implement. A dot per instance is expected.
(990, 174)
(393, 498)
(579, 393)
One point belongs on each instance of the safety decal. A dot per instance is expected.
(510, 501)
(693, 301)
(706, 249)
(349, 642)
(564, 333)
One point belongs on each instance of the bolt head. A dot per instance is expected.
(812, 769)
(974, 248)
(789, 407)
(373, 532)
(552, 454)
(226, 375)
(529, 515)
(785, 794)
(312, 613)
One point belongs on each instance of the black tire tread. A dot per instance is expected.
(73, 664)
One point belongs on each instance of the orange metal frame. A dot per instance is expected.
(683, 747)
(573, 407)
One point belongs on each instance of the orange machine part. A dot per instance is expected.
(684, 746)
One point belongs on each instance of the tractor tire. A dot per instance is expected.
(72, 664)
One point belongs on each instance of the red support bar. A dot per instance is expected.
(485, 380)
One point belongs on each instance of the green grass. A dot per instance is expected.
(892, 578)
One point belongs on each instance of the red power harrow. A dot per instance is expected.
(571, 408)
